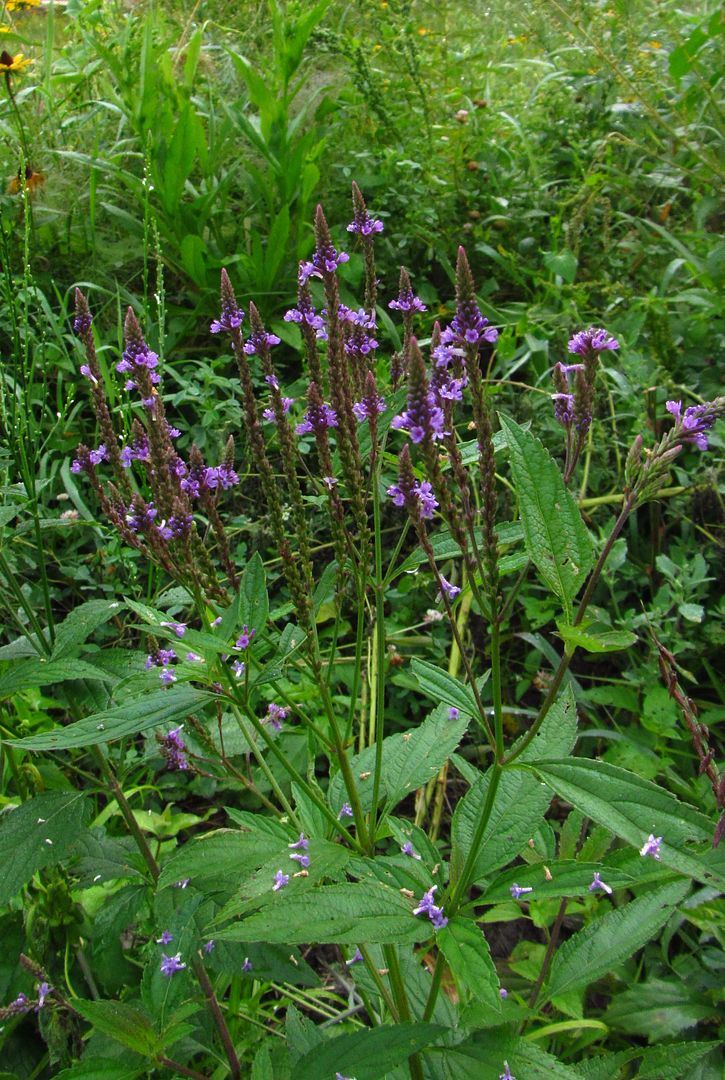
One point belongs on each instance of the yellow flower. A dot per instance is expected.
(21, 5)
(422, 31)
(12, 63)
(655, 45)
(33, 180)
(4, 29)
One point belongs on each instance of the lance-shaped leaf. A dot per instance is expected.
(556, 539)
(39, 833)
(469, 958)
(38, 672)
(367, 1054)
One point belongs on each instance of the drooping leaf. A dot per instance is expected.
(125, 1024)
(335, 914)
(94, 1068)
(482, 1054)
(556, 539)
(633, 808)
(140, 714)
(369, 1054)
(594, 951)
(38, 672)
(469, 958)
(410, 759)
(39, 833)
(223, 857)
(595, 640)
(441, 686)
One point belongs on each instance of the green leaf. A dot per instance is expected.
(594, 951)
(334, 914)
(368, 1054)
(556, 539)
(672, 1061)
(633, 808)
(253, 598)
(658, 1009)
(140, 714)
(39, 833)
(224, 858)
(482, 1054)
(569, 878)
(469, 958)
(93, 1068)
(593, 640)
(410, 759)
(38, 672)
(127, 1025)
(561, 263)
(77, 627)
(519, 805)
(441, 686)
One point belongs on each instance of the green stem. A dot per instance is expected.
(378, 672)
(401, 999)
(469, 865)
(434, 987)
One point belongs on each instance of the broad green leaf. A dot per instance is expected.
(334, 914)
(672, 1061)
(36, 834)
(369, 1054)
(519, 805)
(633, 808)
(410, 759)
(562, 263)
(77, 627)
(140, 714)
(223, 859)
(482, 1054)
(38, 672)
(607, 1066)
(445, 547)
(469, 958)
(569, 878)
(441, 686)
(658, 1009)
(94, 1068)
(127, 1025)
(594, 951)
(556, 539)
(593, 640)
(253, 598)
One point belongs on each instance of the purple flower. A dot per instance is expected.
(468, 327)
(194, 658)
(300, 845)
(82, 323)
(166, 656)
(506, 1074)
(563, 408)
(651, 847)
(305, 313)
(451, 591)
(247, 965)
(356, 958)
(136, 355)
(85, 370)
(230, 318)
(138, 450)
(179, 628)
(238, 668)
(245, 638)
(166, 937)
(167, 676)
(222, 476)
(330, 482)
(696, 420)
(260, 340)
(362, 409)
(407, 849)
(427, 907)
(215, 622)
(503, 993)
(593, 340)
(519, 890)
(345, 811)
(339, 1076)
(597, 883)
(140, 516)
(171, 964)
(325, 259)
(453, 713)
(269, 415)
(301, 858)
(44, 989)
(423, 493)
(21, 1004)
(317, 420)
(280, 881)
(364, 225)
(407, 301)
(173, 749)
(208, 946)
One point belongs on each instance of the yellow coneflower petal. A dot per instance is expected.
(13, 63)
(21, 5)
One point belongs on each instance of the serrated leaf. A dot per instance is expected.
(94, 1068)
(441, 686)
(126, 1025)
(519, 805)
(469, 958)
(595, 641)
(140, 714)
(410, 759)
(658, 1009)
(77, 627)
(592, 952)
(254, 601)
(368, 1054)
(334, 914)
(223, 858)
(672, 1061)
(445, 547)
(36, 834)
(633, 808)
(556, 539)
(481, 1056)
(37, 672)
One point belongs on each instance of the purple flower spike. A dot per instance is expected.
(171, 964)
(166, 938)
(692, 425)
(20, 1005)
(317, 420)
(276, 715)
(519, 890)
(597, 883)
(593, 340)
(345, 811)
(651, 847)
(407, 849)
(423, 492)
(232, 315)
(427, 907)
(260, 340)
(280, 881)
(173, 749)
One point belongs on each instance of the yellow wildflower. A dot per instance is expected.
(655, 45)
(12, 63)
(21, 5)
(422, 31)
(33, 180)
